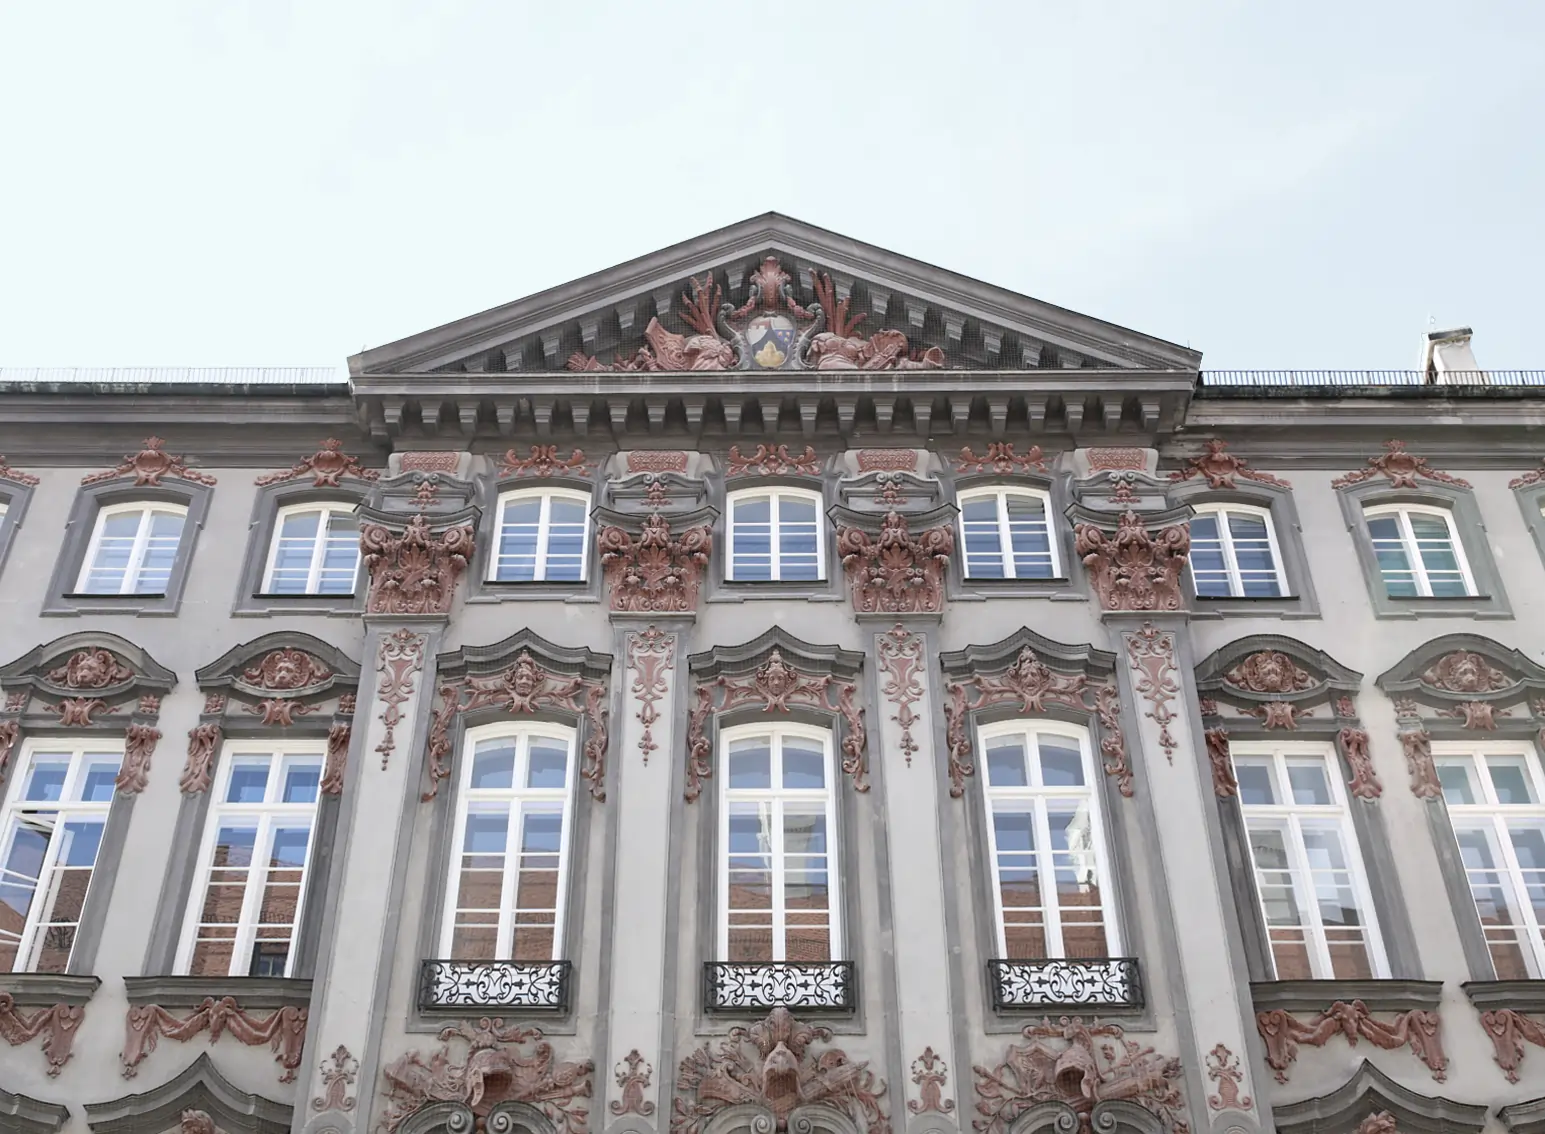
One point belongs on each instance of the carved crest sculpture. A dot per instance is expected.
(1464, 671)
(656, 573)
(326, 467)
(148, 466)
(1269, 671)
(496, 1067)
(896, 572)
(1220, 467)
(286, 670)
(90, 669)
(1398, 466)
(771, 1065)
(413, 571)
(1134, 569)
(1080, 1065)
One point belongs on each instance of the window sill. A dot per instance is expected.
(1519, 995)
(1317, 995)
(1472, 606)
(28, 989)
(1251, 606)
(100, 596)
(191, 991)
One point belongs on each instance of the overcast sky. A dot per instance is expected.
(282, 183)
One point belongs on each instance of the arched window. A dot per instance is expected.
(1234, 553)
(775, 535)
(1050, 864)
(510, 871)
(779, 891)
(543, 536)
(315, 551)
(1418, 551)
(133, 549)
(1006, 534)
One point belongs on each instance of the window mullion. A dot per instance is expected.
(1236, 583)
(319, 552)
(1319, 945)
(997, 877)
(257, 877)
(775, 538)
(131, 571)
(780, 873)
(1046, 872)
(1005, 537)
(1414, 555)
(544, 519)
(514, 831)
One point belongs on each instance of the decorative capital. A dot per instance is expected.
(326, 467)
(893, 571)
(1134, 568)
(149, 465)
(655, 572)
(414, 570)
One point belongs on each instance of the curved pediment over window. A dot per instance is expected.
(287, 663)
(1463, 667)
(198, 1101)
(1279, 681)
(81, 675)
(27, 1115)
(1371, 1102)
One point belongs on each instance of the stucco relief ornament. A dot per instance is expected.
(496, 1067)
(148, 466)
(666, 350)
(56, 1023)
(657, 573)
(90, 669)
(1417, 745)
(770, 1065)
(283, 1031)
(280, 711)
(1381, 1123)
(1476, 714)
(1364, 783)
(544, 461)
(1134, 569)
(338, 1071)
(769, 460)
(197, 1122)
(1283, 1032)
(1269, 671)
(1509, 1030)
(16, 476)
(10, 732)
(76, 712)
(339, 734)
(1464, 671)
(1533, 476)
(413, 571)
(839, 347)
(901, 657)
(203, 739)
(1220, 467)
(400, 657)
(139, 744)
(1400, 467)
(286, 669)
(633, 1076)
(930, 1073)
(1000, 459)
(896, 572)
(651, 655)
(1152, 654)
(1224, 785)
(1079, 1065)
(1277, 714)
(326, 467)
(1223, 1069)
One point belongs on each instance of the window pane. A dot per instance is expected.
(296, 543)
(46, 783)
(750, 763)
(1078, 880)
(1510, 779)
(1209, 568)
(1252, 553)
(1436, 547)
(340, 557)
(1456, 776)
(1062, 765)
(804, 764)
(160, 553)
(249, 781)
(1031, 543)
(516, 558)
(752, 519)
(548, 763)
(565, 540)
(1389, 551)
(1006, 762)
(983, 545)
(493, 764)
(115, 549)
(1255, 786)
(797, 519)
(1308, 783)
(300, 782)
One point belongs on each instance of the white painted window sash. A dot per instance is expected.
(1236, 582)
(1000, 498)
(775, 530)
(545, 498)
(1412, 546)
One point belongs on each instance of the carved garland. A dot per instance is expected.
(651, 655)
(1134, 569)
(776, 686)
(524, 686)
(148, 466)
(544, 461)
(1399, 467)
(896, 572)
(326, 467)
(283, 1030)
(56, 1023)
(1220, 467)
(1030, 682)
(657, 573)
(413, 571)
(1284, 1032)
(1000, 459)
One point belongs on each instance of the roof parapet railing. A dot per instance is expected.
(1309, 378)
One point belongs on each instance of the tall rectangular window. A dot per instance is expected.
(315, 551)
(1049, 858)
(541, 537)
(1496, 802)
(778, 868)
(510, 873)
(1234, 553)
(133, 550)
(1309, 876)
(1418, 552)
(775, 537)
(1006, 534)
(55, 812)
(254, 864)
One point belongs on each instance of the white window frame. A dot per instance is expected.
(1339, 811)
(328, 508)
(1402, 514)
(1034, 799)
(776, 492)
(521, 733)
(266, 813)
(1496, 815)
(778, 796)
(1005, 537)
(76, 749)
(543, 531)
(141, 541)
(1236, 586)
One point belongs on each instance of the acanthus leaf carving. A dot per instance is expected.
(10, 733)
(1000, 459)
(280, 711)
(1220, 467)
(1380, 1122)
(283, 1030)
(413, 571)
(544, 462)
(56, 1023)
(901, 657)
(773, 460)
(896, 572)
(148, 466)
(1079, 1065)
(651, 655)
(1277, 714)
(1399, 467)
(139, 744)
(667, 350)
(1418, 1029)
(194, 1121)
(326, 467)
(400, 657)
(497, 1067)
(76, 712)
(770, 1064)
(203, 740)
(657, 573)
(339, 735)
(1135, 569)
(1509, 1030)
(90, 669)
(1417, 745)
(1479, 715)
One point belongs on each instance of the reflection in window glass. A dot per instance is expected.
(1005, 534)
(541, 537)
(133, 550)
(775, 537)
(1234, 554)
(1418, 552)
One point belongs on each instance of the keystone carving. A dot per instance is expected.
(1080, 1065)
(1269, 671)
(544, 461)
(90, 669)
(326, 467)
(1399, 467)
(413, 571)
(1509, 1031)
(657, 573)
(57, 1024)
(1220, 467)
(496, 1067)
(1134, 569)
(280, 711)
(1417, 1029)
(770, 1064)
(148, 466)
(895, 572)
(283, 1030)
(286, 670)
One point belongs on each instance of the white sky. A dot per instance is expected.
(1284, 184)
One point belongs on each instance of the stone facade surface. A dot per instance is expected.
(924, 1042)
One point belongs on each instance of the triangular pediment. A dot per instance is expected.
(716, 303)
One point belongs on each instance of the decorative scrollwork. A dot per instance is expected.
(732, 986)
(1057, 982)
(494, 984)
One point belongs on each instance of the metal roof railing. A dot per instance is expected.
(173, 375)
(1213, 378)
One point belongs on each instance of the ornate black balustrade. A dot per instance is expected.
(494, 984)
(1065, 982)
(827, 986)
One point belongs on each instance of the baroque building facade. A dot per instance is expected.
(772, 685)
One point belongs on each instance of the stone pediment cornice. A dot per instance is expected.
(597, 313)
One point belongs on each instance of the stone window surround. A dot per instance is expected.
(1490, 600)
(1530, 497)
(1283, 512)
(61, 598)
(269, 500)
(1069, 586)
(16, 496)
(479, 588)
(1370, 1091)
(718, 588)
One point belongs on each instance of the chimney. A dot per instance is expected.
(1448, 361)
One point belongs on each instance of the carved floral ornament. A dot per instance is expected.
(522, 687)
(326, 468)
(56, 1023)
(148, 466)
(777, 687)
(1001, 459)
(770, 460)
(1134, 568)
(1400, 468)
(413, 571)
(770, 331)
(1220, 468)
(544, 461)
(895, 572)
(655, 572)
(16, 476)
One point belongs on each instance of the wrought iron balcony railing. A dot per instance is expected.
(1066, 982)
(826, 986)
(530, 985)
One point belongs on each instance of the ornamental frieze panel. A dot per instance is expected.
(520, 676)
(776, 673)
(1033, 676)
(895, 563)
